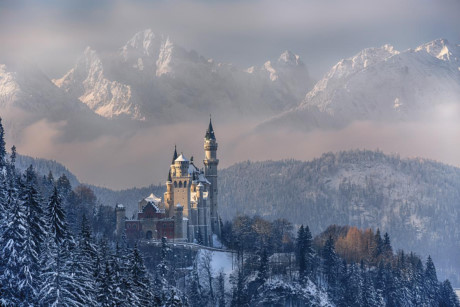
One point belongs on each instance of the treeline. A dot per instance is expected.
(57, 248)
(343, 266)
(415, 200)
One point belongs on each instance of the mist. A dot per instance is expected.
(142, 157)
(54, 33)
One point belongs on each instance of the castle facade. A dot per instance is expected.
(188, 211)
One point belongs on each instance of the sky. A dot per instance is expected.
(53, 33)
(246, 33)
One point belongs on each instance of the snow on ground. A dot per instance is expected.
(220, 261)
(457, 291)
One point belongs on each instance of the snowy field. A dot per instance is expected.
(457, 291)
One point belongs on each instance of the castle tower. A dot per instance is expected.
(178, 222)
(181, 183)
(169, 196)
(210, 171)
(121, 216)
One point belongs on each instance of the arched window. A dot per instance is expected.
(185, 184)
(148, 235)
(175, 184)
(180, 184)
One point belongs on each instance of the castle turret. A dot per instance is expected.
(121, 216)
(169, 196)
(210, 171)
(178, 222)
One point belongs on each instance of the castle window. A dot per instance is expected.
(185, 184)
(175, 184)
(180, 184)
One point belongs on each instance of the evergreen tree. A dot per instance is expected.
(12, 255)
(239, 295)
(263, 270)
(34, 237)
(2, 147)
(221, 289)
(83, 266)
(353, 294)
(106, 293)
(448, 296)
(194, 289)
(139, 279)
(431, 283)
(387, 250)
(57, 279)
(301, 253)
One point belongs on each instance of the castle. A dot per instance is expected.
(188, 211)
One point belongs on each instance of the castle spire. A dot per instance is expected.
(174, 155)
(210, 132)
(169, 176)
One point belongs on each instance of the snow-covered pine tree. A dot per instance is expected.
(34, 238)
(82, 267)
(139, 279)
(447, 295)
(2, 147)
(431, 285)
(12, 250)
(57, 279)
(194, 289)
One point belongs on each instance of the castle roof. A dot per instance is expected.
(174, 155)
(181, 158)
(210, 132)
(152, 199)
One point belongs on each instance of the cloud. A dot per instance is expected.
(245, 32)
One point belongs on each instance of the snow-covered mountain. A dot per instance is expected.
(151, 77)
(28, 96)
(381, 84)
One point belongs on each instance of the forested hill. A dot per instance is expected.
(416, 200)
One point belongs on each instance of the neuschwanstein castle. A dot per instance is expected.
(188, 211)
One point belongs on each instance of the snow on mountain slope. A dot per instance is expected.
(151, 77)
(381, 84)
(88, 82)
(28, 96)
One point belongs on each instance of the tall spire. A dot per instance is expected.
(210, 132)
(174, 155)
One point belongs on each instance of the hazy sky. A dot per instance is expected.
(55, 32)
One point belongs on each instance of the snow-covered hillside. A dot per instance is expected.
(381, 84)
(151, 77)
(415, 200)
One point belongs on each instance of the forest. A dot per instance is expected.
(57, 248)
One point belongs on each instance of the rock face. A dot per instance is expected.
(151, 77)
(380, 84)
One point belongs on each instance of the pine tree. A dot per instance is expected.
(12, 255)
(221, 289)
(139, 279)
(34, 237)
(83, 256)
(263, 270)
(301, 253)
(448, 298)
(431, 282)
(353, 294)
(194, 289)
(2, 147)
(106, 292)
(387, 250)
(57, 280)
